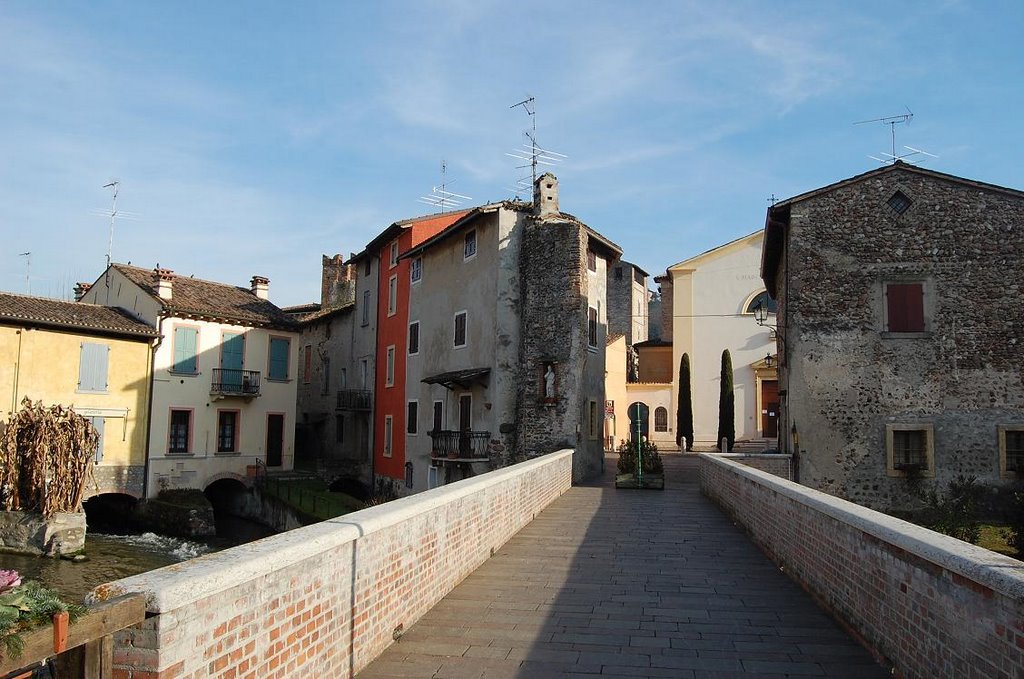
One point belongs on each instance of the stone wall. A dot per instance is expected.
(553, 280)
(927, 604)
(326, 599)
(848, 378)
(126, 479)
(666, 308)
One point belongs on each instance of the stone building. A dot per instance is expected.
(899, 330)
(502, 295)
(628, 301)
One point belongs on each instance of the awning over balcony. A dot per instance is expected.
(462, 379)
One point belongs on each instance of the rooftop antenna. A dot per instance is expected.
(113, 213)
(440, 197)
(28, 270)
(532, 153)
(892, 122)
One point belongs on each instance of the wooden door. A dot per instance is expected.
(275, 439)
(769, 409)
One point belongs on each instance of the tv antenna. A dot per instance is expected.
(892, 122)
(113, 213)
(532, 153)
(28, 270)
(440, 197)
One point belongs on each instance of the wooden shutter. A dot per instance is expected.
(185, 350)
(92, 367)
(905, 307)
(97, 422)
(278, 358)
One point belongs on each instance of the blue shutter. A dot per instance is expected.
(92, 367)
(97, 422)
(185, 350)
(279, 349)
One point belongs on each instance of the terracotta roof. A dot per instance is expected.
(652, 343)
(613, 337)
(86, 318)
(316, 313)
(210, 300)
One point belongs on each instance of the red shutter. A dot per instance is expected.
(905, 304)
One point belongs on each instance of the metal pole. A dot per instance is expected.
(639, 451)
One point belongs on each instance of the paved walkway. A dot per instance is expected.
(621, 583)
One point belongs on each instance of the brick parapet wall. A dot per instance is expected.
(126, 479)
(326, 599)
(772, 463)
(929, 605)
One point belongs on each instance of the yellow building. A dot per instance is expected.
(93, 358)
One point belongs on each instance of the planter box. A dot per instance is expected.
(649, 481)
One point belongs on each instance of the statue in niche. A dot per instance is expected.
(549, 382)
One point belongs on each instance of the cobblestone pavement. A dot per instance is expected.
(626, 583)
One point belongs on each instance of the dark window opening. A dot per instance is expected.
(899, 202)
(910, 449)
(1015, 451)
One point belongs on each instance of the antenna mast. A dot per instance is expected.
(892, 122)
(440, 197)
(532, 152)
(113, 215)
(28, 270)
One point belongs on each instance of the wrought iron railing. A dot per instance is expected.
(460, 445)
(355, 399)
(231, 382)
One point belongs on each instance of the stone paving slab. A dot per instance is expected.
(627, 583)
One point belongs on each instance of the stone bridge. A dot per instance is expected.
(729, 572)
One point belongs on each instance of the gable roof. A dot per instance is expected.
(209, 300)
(777, 218)
(714, 252)
(392, 231)
(85, 318)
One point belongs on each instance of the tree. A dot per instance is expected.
(684, 409)
(726, 405)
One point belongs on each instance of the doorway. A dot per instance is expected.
(770, 409)
(275, 439)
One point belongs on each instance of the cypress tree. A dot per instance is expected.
(726, 405)
(684, 408)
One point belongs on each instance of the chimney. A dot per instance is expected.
(164, 282)
(260, 287)
(545, 195)
(80, 290)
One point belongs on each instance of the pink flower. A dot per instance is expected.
(9, 580)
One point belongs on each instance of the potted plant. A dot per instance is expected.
(27, 605)
(651, 472)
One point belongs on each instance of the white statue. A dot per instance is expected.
(549, 382)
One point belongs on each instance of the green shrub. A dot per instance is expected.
(650, 459)
(955, 513)
(1015, 532)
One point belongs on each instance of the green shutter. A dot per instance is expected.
(279, 349)
(185, 350)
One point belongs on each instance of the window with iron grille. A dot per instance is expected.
(469, 248)
(227, 431)
(179, 435)
(660, 419)
(1014, 446)
(899, 202)
(910, 449)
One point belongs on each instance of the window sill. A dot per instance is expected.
(906, 335)
(90, 391)
(280, 380)
(592, 348)
(231, 453)
(179, 454)
(184, 374)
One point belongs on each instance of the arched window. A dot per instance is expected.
(764, 300)
(660, 419)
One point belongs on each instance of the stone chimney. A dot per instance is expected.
(338, 284)
(164, 283)
(260, 287)
(545, 195)
(80, 290)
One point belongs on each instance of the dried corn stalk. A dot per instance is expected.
(44, 457)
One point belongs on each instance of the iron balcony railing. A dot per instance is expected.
(231, 382)
(355, 399)
(460, 445)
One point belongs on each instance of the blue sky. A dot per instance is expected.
(254, 137)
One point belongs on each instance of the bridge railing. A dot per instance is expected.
(926, 604)
(326, 599)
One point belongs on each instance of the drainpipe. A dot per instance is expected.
(149, 406)
(17, 372)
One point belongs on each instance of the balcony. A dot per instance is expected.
(460, 446)
(231, 382)
(355, 399)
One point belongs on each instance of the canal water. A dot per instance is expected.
(112, 557)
